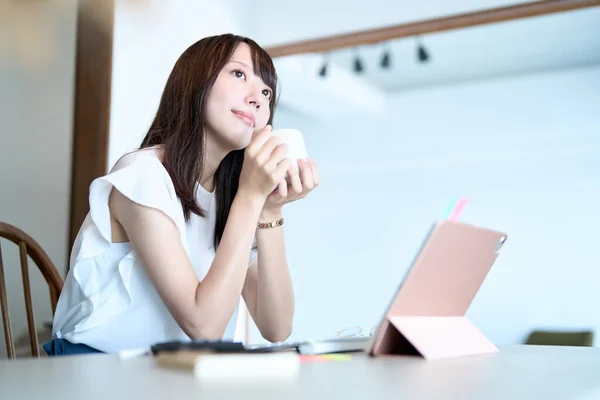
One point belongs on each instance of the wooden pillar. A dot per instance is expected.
(93, 74)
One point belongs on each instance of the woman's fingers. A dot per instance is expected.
(294, 179)
(315, 172)
(277, 156)
(280, 171)
(266, 151)
(306, 175)
(282, 189)
(259, 137)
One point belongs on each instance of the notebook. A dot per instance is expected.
(307, 347)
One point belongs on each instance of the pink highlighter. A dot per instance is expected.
(456, 209)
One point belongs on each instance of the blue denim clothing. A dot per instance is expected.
(62, 347)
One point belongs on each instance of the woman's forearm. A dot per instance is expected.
(218, 293)
(275, 294)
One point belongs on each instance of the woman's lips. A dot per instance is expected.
(247, 118)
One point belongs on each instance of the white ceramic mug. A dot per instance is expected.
(295, 143)
(296, 147)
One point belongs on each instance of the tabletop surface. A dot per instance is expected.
(516, 372)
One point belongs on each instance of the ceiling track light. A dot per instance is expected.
(386, 57)
(358, 64)
(323, 69)
(422, 53)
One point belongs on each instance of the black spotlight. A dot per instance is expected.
(358, 65)
(323, 70)
(422, 53)
(385, 59)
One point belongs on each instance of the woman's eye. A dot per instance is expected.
(267, 93)
(239, 74)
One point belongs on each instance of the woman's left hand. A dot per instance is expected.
(301, 182)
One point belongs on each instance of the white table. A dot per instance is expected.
(519, 372)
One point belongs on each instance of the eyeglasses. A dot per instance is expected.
(356, 331)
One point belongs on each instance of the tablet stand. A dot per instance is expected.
(431, 337)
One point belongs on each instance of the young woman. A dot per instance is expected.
(184, 226)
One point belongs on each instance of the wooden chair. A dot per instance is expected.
(27, 247)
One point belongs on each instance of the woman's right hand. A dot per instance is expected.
(265, 164)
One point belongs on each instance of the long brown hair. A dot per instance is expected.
(180, 121)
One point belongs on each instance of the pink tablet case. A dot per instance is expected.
(427, 315)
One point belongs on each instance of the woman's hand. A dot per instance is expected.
(264, 165)
(302, 181)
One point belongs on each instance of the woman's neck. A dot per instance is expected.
(213, 155)
(208, 183)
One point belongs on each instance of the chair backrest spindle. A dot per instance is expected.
(28, 248)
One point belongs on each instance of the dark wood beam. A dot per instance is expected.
(525, 10)
(93, 71)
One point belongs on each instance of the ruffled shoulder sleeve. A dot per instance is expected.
(141, 177)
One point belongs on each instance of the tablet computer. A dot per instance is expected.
(426, 313)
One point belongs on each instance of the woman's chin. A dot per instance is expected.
(240, 141)
(244, 139)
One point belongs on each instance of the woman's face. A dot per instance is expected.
(238, 103)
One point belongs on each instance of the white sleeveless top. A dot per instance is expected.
(108, 301)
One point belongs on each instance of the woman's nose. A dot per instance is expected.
(254, 98)
(255, 104)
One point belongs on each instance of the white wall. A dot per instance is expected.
(524, 150)
(147, 43)
(35, 152)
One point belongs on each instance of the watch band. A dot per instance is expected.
(272, 224)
